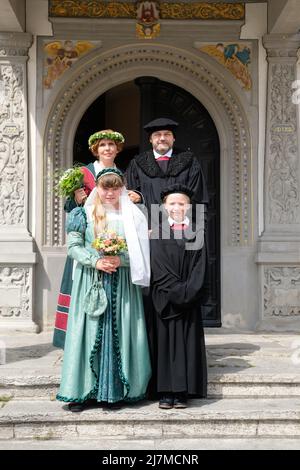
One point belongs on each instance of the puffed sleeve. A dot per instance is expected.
(76, 228)
(76, 220)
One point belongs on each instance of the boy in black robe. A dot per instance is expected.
(176, 337)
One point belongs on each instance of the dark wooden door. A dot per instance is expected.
(196, 132)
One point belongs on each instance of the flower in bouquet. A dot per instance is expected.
(69, 181)
(109, 243)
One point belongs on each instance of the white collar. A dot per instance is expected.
(157, 155)
(186, 221)
(98, 166)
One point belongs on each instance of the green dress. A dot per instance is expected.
(106, 357)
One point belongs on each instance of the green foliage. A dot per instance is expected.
(116, 136)
(69, 181)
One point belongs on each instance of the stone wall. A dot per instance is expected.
(17, 257)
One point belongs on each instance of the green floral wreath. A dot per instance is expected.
(113, 171)
(116, 136)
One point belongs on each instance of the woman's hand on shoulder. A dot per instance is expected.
(80, 196)
(134, 197)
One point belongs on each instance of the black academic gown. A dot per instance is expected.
(145, 175)
(176, 334)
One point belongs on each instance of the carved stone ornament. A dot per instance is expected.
(12, 145)
(15, 293)
(193, 69)
(281, 292)
(14, 44)
(169, 10)
(283, 162)
(147, 24)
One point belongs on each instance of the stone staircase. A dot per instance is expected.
(253, 393)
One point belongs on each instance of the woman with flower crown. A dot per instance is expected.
(104, 145)
(106, 356)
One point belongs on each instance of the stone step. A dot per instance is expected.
(222, 384)
(218, 443)
(240, 365)
(230, 418)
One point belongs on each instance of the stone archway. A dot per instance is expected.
(189, 71)
(233, 116)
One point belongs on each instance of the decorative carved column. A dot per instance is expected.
(17, 257)
(279, 248)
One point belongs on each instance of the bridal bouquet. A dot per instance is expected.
(69, 181)
(109, 243)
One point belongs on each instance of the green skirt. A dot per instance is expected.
(106, 358)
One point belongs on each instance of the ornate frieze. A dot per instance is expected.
(12, 52)
(281, 292)
(202, 11)
(194, 69)
(14, 44)
(91, 9)
(15, 293)
(169, 10)
(12, 145)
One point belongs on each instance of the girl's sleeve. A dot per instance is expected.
(76, 227)
(124, 257)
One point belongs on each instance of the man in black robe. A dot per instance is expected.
(177, 343)
(152, 171)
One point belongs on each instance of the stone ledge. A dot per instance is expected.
(219, 443)
(40, 411)
(214, 418)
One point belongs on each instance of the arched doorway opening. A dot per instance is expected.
(126, 108)
(119, 109)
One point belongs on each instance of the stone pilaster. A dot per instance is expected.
(17, 257)
(279, 247)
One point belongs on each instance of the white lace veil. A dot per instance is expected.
(136, 234)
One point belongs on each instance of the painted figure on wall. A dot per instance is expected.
(60, 56)
(147, 26)
(235, 57)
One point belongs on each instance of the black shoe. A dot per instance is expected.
(180, 400)
(76, 407)
(166, 402)
(117, 405)
(91, 403)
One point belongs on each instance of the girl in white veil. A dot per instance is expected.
(136, 232)
(106, 353)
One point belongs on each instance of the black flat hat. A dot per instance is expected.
(161, 124)
(177, 188)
